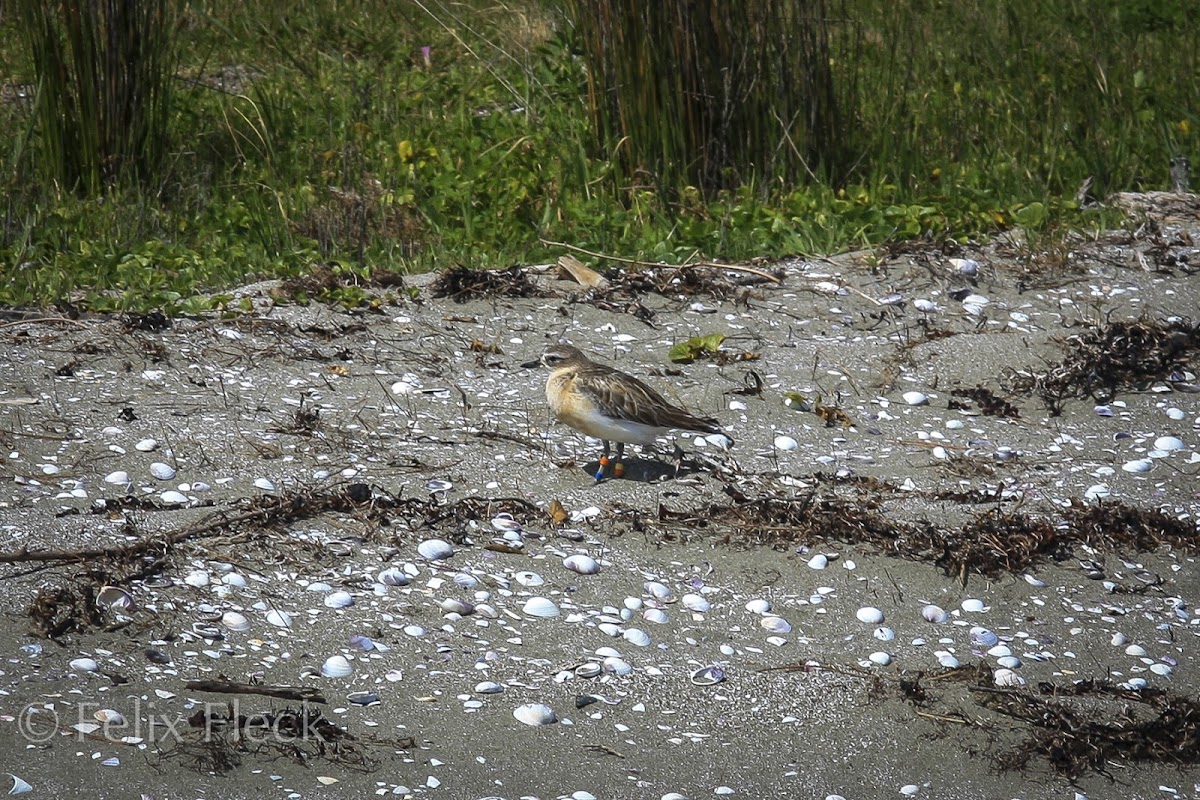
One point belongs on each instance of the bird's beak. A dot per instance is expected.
(537, 362)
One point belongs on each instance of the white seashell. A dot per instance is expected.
(636, 637)
(118, 477)
(584, 565)
(393, 576)
(415, 631)
(1169, 443)
(280, 619)
(435, 549)
(452, 605)
(173, 498)
(632, 603)
(884, 634)
(982, 637)
(947, 660)
(924, 305)
(973, 606)
(506, 523)
(655, 615)
(880, 658)
(109, 716)
(540, 607)
(1097, 491)
(338, 599)
(234, 579)
(436, 486)
(1006, 677)
(84, 665)
(758, 606)
(785, 443)
(915, 398)
(588, 670)
(697, 603)
(336, 667)
(465, 580)
(164, 472)
(617, 666)
(19, 786)
(818, 561)
(708, 676)
(775, 624)
(1138, 465)
(200, 486)
(1135, 650)
(235, 621)
(115, 598)
(489, 687)
(266, 484)
(660, 591)
(1176, 414)
(529, 579)
(1009, 662)
(1162, 670)
(196, 578)
(934, 614)
(146, 445)
(535, 714)
(870, 615)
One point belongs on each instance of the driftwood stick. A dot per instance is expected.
(219, 686)
(636, 262)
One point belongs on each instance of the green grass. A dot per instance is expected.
(332, 141)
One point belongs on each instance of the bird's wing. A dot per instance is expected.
(624, 397)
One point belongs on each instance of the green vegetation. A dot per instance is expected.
(405, 135)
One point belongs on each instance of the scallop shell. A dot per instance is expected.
(588, 670)
(535, 714)
(1138, 465)
(697, 603)
(915, 398)
(266, 484)
(775, 624)
(1169, 443)
(336, 667)
(819, 561)
(540, 607)
(173, 498)
(109, 716)
(489, 687)
(118, 477)
(786, 443)
(435, 549)
(973, 606)
(884, 634)
(617, 666)
(84, 665)
(146, 445)
(880, 658)
(947, 660)
(870, 615)
(584, 565)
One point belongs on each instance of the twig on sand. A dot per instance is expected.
(300, 693)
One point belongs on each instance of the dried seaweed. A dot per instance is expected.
(990, 543)
(989, 404)
(462, 284)
(1116, 356)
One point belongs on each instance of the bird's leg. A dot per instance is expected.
(619, 467)
(678, 455)
(603, 461)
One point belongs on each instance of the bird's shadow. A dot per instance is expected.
(644, 470)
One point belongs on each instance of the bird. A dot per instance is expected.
(612, 406)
